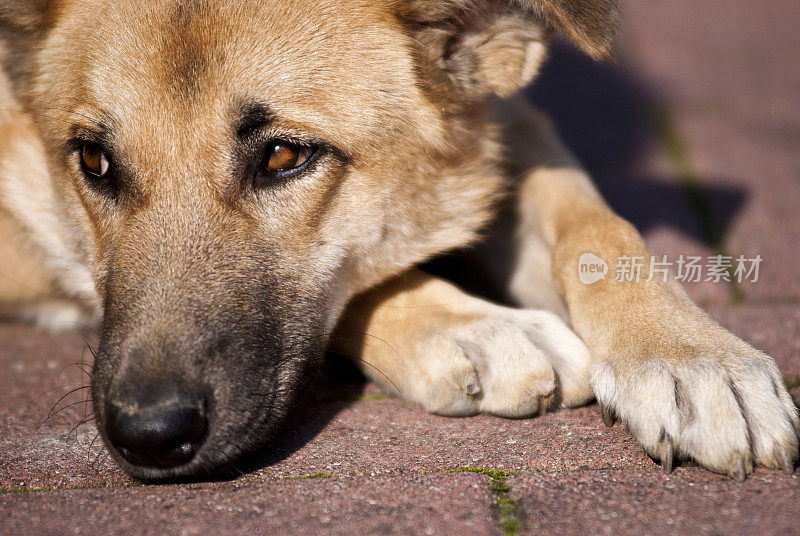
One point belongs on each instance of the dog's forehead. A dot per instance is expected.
(341, 69)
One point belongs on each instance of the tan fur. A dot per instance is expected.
(685, 386)
(423, 339)
(185, 257)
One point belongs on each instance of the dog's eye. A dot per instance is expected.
(94, 160)
(285, 156)
(284, 160)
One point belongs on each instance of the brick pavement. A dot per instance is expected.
(693, 135)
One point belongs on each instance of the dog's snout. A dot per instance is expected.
(160, 426)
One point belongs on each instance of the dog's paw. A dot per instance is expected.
(511, 363)
(727, 409)
(59, 315)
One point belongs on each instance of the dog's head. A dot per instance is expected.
(237, 171)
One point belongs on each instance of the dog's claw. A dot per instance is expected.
(544, 404)
(608, 416)
(740, 472)
(666, 455)
(473, 384)
(788, 463)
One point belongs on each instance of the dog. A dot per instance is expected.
(232, 188)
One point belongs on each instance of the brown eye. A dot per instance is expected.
(285, 156)
(94, 160)
(283, 160)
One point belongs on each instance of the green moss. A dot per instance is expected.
(31, 490)
(792, 382)
(506, 510)
(51, 488)
(496, 474)
(672, 142)
(313, 475)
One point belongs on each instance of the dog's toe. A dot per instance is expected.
(516, 377)
(511, 363)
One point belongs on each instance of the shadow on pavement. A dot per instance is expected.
(610, 120)
(338, 386)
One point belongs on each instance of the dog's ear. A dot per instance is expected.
(24, 16)
(591, 24)
(497, 46)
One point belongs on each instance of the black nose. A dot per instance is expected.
(158, 426)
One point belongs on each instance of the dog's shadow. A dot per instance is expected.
(613, 122)
(338, 385)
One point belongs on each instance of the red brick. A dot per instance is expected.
(636, 501)
(458, 504)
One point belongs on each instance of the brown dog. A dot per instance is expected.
(220, 179)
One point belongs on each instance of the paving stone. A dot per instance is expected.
(766, 165)
(720, 58)
(39, 368)
(358, 439)
(387, 437)
(604, 112)
(56, 458)
(348, 438)
(638, 501)
(341, 437)
(345, 438)
(729, 76)
(41, 444)
(458, 504)
(773, 328)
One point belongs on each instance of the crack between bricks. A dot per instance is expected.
(507, 511)
(667, 134)
(494, 474)
(311, 476)
(50, 489)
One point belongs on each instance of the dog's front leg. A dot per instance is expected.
(423, 339)
(684, 385)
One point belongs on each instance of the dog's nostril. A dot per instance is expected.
(178, 455)
(159, 427)
(125, 453)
